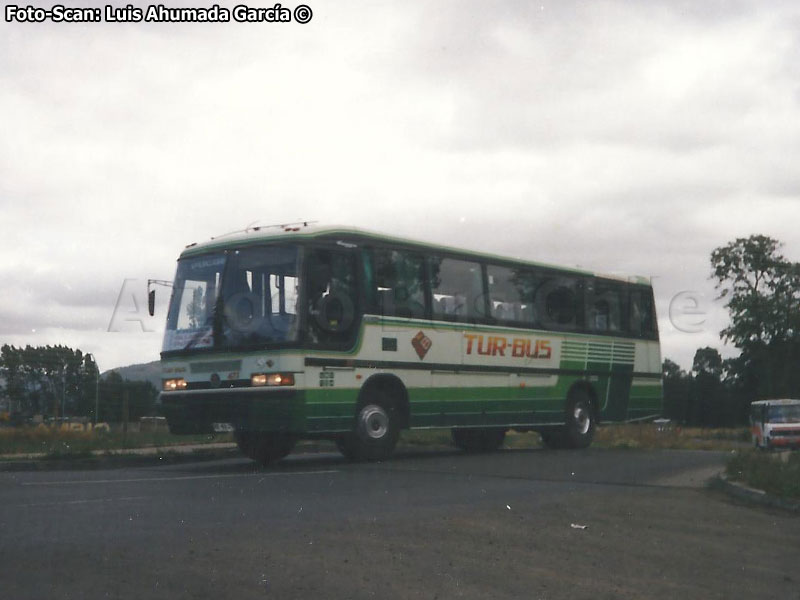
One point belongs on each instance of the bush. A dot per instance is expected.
(766, 471)
(647, 436)
(55, 442)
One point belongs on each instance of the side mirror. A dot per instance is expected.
(151, 302)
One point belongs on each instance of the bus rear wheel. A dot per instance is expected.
(376, 431)
(478, 440)
(580, 426)
(264, 448)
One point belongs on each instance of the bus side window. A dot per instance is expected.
(457, 288)
(509, 290)
(603, 301)
(641, 318)
(557, 301)
(331, 294)
(398, 277)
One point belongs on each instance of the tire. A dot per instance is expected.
(245, 442)
(376, 430)
(264, 448)
(580, 421)
(478, 440)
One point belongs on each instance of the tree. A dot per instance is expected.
(677, 384)
(56, 381)
(708, 363)
(762, 290)
(113, 388)
(748, 271)
(708, 397)
(48, 380)
(741, 384)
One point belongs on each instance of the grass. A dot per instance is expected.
(640, 436)
(767, 471)
(56, 443)
(426, 437)
(646, 436)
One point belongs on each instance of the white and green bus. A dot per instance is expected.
(336, 333)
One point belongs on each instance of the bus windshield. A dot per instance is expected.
(240, 298)
(784, 414)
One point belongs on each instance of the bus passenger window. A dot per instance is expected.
(457, 287)
(331, 291)
(641, 317)
(511, 293)
(559, 303)
(399, 283)
(599, 316)
(604, 306)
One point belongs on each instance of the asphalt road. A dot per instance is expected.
(429, 525)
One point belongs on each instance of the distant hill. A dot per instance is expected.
(142, 372)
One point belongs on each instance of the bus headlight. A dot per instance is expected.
(170, 385)
(262, 379)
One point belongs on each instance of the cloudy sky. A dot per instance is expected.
(626, 137)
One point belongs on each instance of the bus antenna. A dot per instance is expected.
(253, 227)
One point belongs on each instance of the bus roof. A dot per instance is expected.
(308, 231)
(778, 402)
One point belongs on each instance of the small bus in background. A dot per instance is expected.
(775, 423)
(297, 332)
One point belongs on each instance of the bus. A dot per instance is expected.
(775, 423)
(308, 332)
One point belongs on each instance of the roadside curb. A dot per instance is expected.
(163, 456)
(752, 495)
(144, 457)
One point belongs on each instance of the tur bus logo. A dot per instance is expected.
(421, 343)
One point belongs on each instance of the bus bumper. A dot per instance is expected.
(273, 410)
(783, 442)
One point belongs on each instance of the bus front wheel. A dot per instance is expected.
(376, 431)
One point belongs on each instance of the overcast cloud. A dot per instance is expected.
(626, 137)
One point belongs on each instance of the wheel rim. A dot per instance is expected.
(374, 421)
(583, 418)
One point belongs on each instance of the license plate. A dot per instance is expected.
(222, 427)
